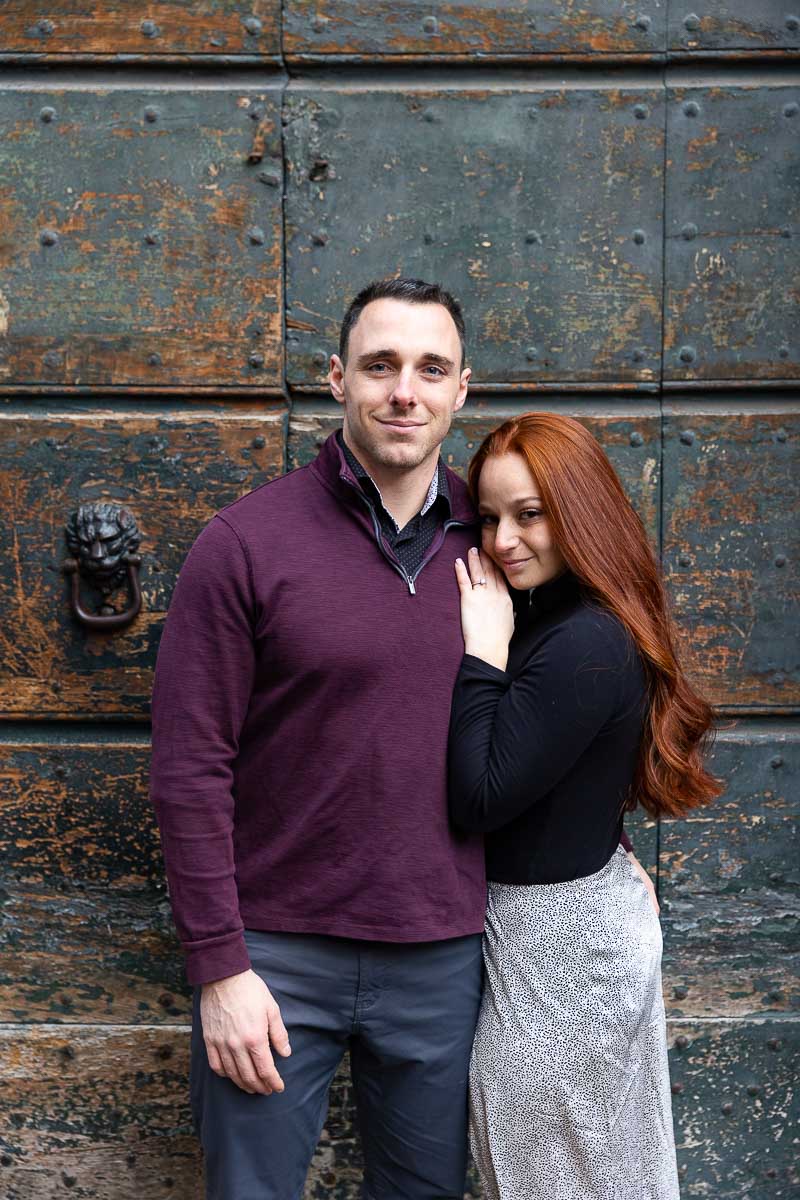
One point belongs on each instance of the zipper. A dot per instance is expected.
(410, 580)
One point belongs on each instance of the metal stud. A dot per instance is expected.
(532, 354)
(47, 114)
(320, 238)
(430, 25)
(639, 236)
(786, 232)
(52, 359)
(775, 996)
(774, 1044)
(691, 22)
(638, 356)
(165, 1051)
(68, 1052)
(689, 232)
(253, 26)
(792, 23)
(691, 108)
(776, 761)
(130, 1158)
(270, 178)
(533, 113)
(791, 110)
(256, 361)
(641, 112)
(643, 22)
(428, 239)
(780, 560)
(45, 27)
(684, 560)
(319, 358)
(781, 435)
(319, 22)
(676, 1089)
(636, 439)
(152, 237)
(166, 1000)
(259, 442)
(681, 1041)
(6, 1160)
(726, 1108)
(68, 1180)
(150, 29)
(151, 114)
(533, 237)
(753, 1089)
(687, 437)
(154, 360)
(776, 878)
(783, 352)
(687, 354)
(680, 991)
(48, 237)
(256, 236)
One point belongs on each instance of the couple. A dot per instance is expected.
(342, 757)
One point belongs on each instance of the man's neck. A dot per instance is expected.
(403, 490)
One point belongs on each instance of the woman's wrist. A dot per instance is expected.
(493, 654)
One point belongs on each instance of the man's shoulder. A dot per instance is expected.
(272, 497)
(460, 503)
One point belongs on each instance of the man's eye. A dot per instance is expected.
(438, 370)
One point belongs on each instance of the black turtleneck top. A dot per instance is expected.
(542, 755)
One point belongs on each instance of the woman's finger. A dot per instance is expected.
(462, 575)
(476, 572)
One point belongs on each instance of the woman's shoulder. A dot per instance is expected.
(596, 632)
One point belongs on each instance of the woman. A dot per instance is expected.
(569, 708)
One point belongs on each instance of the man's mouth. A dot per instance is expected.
(401, 424)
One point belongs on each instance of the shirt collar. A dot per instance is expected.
(438, 488)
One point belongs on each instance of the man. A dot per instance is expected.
(300, 718)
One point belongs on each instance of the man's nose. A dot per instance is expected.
(404, 394)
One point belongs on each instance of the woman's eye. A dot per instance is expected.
(529, 514)
(487, 520)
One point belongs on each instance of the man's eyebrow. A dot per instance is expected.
(430, 356)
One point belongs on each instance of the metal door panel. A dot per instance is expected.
(140, 246)
(173, 29)
(732, 214)
(730, 548)
(173, 470)
(558, 279)
(366, 30)
(767, 26)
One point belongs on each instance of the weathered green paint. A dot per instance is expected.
(173, 470)
(468, 29)
(731, 25)
(732, 262)
(729, 883)
(139, 245)
(731, 547)
(559, 279)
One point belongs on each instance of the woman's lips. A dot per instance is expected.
(516, 563)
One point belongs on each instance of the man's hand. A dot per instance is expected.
(240, 1019)
(646, 880)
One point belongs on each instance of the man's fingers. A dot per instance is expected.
(214, 1060)
(266, 1069)
(248, 1078)
(229, 1069)
(278, 1035)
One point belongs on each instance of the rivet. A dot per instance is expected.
(130, 1158)
(636, 439)
(692, 21)
(256, 361)
(643, 22)
(687, 437)
(319, 358)
(776, 878)
(67, 1051)
(791, 110)
(154, 360)
(684, 560)
(676, 1089)
(781, 435)
(259, 442)
(151, 114)
(68, 1180)
(150, 29)
(689, 232)
(786, 232)
(793, 23)
(48, 237)
(776, 761)
(430, 116)
(427, 239)
(46, 27)
(691, 108)
(680, 991)
(775, 996)
(681, 1041)
(319, 22)
(319, 170)
(639, 236)
(533, 113)
(152, 237)
(166, 1000)
(641, 111)
(6, 1160)
(270, 178)
(683, 1169)
(169, 1182)
(164, 1052)
(531, 354)
(320, 238)
(47, 114)
(726, 1108)
(774, 1044)
(533, 237)
(531, 23)
(638, 356)
(256, 113)
(783, 351)
(430, 25)
(780, 560)
(57, 686)
(52, 359)
(687, 354)
(753, 1089)
(770, 1172)
(253, 26)
(256, 236)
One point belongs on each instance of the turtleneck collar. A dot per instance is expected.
(556, 593)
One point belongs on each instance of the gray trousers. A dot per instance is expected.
(407, 1015)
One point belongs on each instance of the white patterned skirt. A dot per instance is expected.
(569, 1079)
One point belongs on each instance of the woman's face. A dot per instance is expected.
(515, 530)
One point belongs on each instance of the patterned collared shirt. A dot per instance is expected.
(411, 543)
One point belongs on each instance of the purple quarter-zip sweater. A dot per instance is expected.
(300, 717)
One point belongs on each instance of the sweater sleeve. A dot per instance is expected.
(512, 740)
(203, 679)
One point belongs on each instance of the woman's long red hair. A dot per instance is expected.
(605, 546)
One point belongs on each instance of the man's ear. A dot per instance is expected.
(336, 378)
(463, 387)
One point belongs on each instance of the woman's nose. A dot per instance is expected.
(505, 537)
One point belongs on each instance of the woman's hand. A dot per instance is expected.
(487, 615)
(646, 880)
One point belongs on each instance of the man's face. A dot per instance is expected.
(402, 383)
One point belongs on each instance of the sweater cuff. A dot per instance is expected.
(216, 958)
(471, 665)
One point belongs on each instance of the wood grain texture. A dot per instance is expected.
(730, 492)
(147, 30)
(368, 30)
(732, 257)
(558, 280)
(140, 246)
(174, 470)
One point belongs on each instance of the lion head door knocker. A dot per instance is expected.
(103, 539)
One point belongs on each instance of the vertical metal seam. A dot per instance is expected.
(661, 421)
